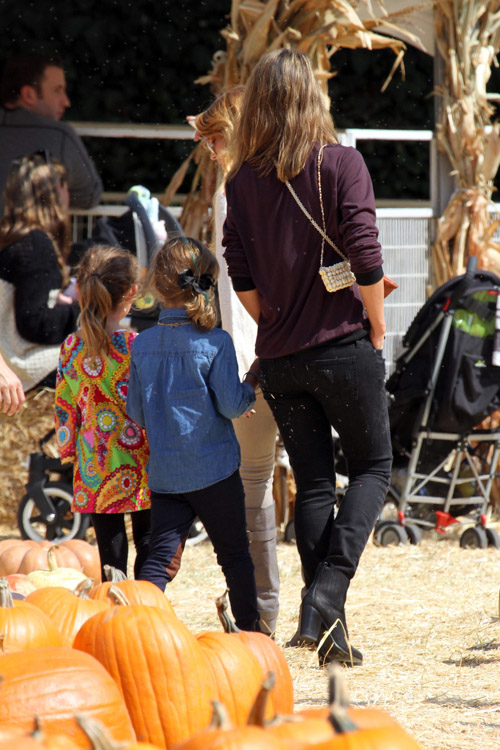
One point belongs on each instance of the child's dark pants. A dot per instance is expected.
(112, 541)
(221, 509)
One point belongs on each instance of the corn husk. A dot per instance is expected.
(468, 40)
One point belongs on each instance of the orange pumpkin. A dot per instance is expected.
(88, 556)
(233, 666)
(159, 666)
(14, 738)
(376, 738)
(67, 609)
(100, 741)
(37, 558)
(55, 684)
(221, 735)
(12, 552)
(270, 657)
(22, 625)
(135, 592)
(349, 735)
(364, 718)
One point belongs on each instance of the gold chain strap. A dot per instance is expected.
(322, 232)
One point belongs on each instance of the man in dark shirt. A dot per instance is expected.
(33, 100)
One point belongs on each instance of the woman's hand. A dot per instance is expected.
(252, 376)
(377, 339)
(373, 301)
(11, 390)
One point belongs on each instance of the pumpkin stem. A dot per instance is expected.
(37, 731)
(83, 588)
(51, 557)
(225, 618)
(117, 596)
(339, 700)
(256, 717)
(5, 595)
(95, 732)
(220, 717)
(114, 574)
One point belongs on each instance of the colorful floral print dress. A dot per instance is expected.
(109, 450)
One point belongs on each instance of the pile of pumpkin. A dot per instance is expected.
(108, 666)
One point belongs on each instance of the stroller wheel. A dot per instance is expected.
(475, 536)
(493, 538)
(387, 534)
(68, 525)
(414, 533)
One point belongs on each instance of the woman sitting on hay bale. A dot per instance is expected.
(36, 314)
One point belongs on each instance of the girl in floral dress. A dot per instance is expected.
(109, 450)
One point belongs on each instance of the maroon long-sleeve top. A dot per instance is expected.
(271, 246)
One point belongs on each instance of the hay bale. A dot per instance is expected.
(20, 436)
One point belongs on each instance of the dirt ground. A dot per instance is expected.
(425, 618)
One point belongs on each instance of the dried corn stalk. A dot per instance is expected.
(316, 27)
(468, 40)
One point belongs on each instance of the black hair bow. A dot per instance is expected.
(200, 284)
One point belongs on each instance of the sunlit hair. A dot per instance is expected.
(32, 201)
(221, 119)
(283, 114)
(176, 256)
(105, 275)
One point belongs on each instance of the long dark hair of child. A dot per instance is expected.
(183, 274)
(105, 275)
(32, 201)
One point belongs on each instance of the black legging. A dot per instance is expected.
(112, 539)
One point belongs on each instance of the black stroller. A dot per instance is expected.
(444, 385)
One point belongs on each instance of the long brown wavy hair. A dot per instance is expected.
(105, 275)
(283, 115)
(221, 119)
(32, 201)
(178, 255)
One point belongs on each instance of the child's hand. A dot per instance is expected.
(63, 299)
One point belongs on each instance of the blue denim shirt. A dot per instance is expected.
(185, 390)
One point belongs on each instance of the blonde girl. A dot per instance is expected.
(109, 450)
(256, 436)
(185, 390)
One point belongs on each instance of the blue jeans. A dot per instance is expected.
(339, 386)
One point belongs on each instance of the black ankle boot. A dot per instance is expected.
(321, 607)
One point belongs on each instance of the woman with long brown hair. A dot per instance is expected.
(34, 238)
(304, 258)
(256, 436)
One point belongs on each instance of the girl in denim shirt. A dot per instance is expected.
(185, 390)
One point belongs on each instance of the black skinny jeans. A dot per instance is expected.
(221, 509)
(339, 386)
(112, 542)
